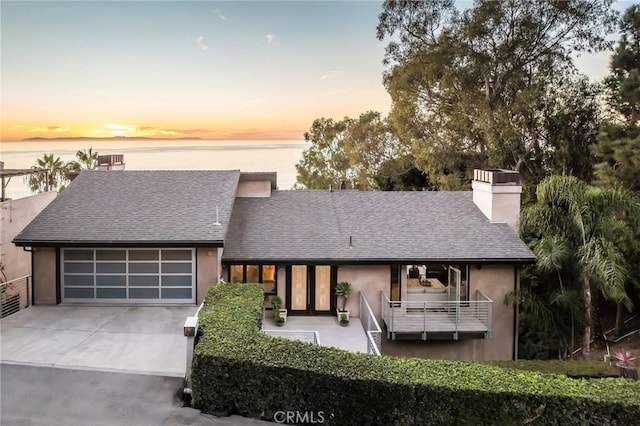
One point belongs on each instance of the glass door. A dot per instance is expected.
(322, 289)
(454, 289)
(299, 294)
(310, 289)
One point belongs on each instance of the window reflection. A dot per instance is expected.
(236, 274)
(264, 274)
(253, 272)
(269, 278)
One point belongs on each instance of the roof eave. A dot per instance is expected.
(118, 243)
(365, 261)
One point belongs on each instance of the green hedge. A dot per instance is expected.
(570, 368)
(237, 369)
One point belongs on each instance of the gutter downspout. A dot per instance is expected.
(30, 296)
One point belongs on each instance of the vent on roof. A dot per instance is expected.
(217, 222)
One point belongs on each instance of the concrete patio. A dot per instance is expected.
(143, 340)
(351, 338)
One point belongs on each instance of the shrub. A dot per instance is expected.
(569, 368)
(238, 369)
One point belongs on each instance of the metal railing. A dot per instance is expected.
(371, 327)
(438, 316)
(303, 335)
(15, 295)
(485, 317)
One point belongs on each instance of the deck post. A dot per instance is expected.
(29, 301)
(424, 321)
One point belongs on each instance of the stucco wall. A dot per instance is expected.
(14, 216)
(208, 270)
(44, 276)
(282, 282)
(495, 282)
(368, 279)
(499, 203)
(254, 188)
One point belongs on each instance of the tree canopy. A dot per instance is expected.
(58, 176)
(363, 152)
(618, 148)
(580, 235)
(473, 88)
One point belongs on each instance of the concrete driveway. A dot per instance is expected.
(142, 340)
(41, 396)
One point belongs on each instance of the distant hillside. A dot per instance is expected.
(112, 138)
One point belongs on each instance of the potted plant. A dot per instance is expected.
(343, 318)
(279, 314)
(343, 289)
(625, 364)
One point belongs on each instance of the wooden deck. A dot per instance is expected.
(434, 321)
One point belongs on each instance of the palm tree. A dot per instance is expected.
(88, 159)
(54, 179)
(584, 225)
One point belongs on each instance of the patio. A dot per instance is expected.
(329, 332)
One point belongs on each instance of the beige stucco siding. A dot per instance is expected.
(368, 279)
(209, 270)
(254, 188)
(282, 282)
(15, 215)
(44, 276)
(493, 281)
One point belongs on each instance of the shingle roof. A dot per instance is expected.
(308, 225)
(137, 207)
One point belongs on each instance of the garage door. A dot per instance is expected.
(159, 276)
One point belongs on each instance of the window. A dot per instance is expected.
(395, 282)
(236, 274)
(253, 274)
(435, 275)
(261, 274)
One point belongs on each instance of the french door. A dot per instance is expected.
(310, 289)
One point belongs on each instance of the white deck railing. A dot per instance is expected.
(371, 327)
(15, 295)
(427, 317)
(303, 335)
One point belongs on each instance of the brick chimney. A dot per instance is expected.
(497, 192)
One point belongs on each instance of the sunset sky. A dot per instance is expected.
(216, 70)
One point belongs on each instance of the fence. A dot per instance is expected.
(371, 327)
(15, 295)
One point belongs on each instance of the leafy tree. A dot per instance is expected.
(578, 232)
(325, 162)
(618, 148)
(473, 88)
(363, 152)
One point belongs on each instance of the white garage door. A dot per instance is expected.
(160, 276)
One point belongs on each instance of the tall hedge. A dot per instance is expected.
(238, 369)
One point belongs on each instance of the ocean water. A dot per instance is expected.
(278, 156)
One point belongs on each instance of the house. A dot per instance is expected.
(15, 263)
(163, 237)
